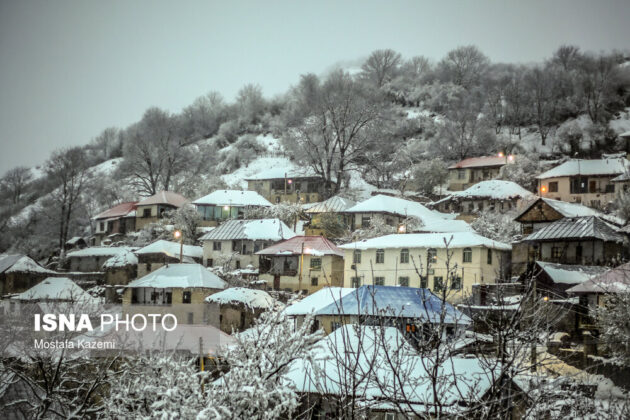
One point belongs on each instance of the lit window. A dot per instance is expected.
(432, 255)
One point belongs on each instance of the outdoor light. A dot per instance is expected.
(543, 189)
(290, 181)
(177, 234)
(511, 158)
(307, 250)
(546, 298)
(501, 154)
(402, 229)
(226, 207)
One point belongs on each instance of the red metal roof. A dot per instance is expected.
(120, 210)
(313, 245)
(164, 197)
(478, 162)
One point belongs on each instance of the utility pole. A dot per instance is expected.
(301, 266)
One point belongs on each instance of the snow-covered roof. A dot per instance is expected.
(310, 245)
(99, 251)
(332, 205)
(7, 260)
(119, 210)
(610, 166)
(180, 275)
(233, 198)
(428, 240)
(393, 205)
(164, 197)
(494, 189)
(589, 227)
(262, 229)
(121, 260)
(570, 274)
(18, 263)
(444, 226)
(171, 249)
(567, 209)
(254, 299)
(318, 300)
(404, 302)
(281, 173)
(616, 280)
(480, 162)
(55, 288)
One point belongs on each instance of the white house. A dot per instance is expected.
(222, 205)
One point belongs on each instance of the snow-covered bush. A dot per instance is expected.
(522, 171)
(497, 226)
(614, 321)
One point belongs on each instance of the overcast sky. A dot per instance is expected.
(69, 69)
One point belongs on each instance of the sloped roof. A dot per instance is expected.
(589, 227)
(318, 300)
(427, 240)
(121, 260)
(393, 205)
(164, 197)
(444, 226)
(180, 275)
(7, 260)
(55, 288)
(120, 210)
(332, 205)
(567, 209)
(281, 173)
(262, 229)
(233, 198)
(404, 302)
(570, 274)
(99, 251)
(479, 162)
(27, 265)
(171, 249)
(312, 245)
(495, 189)
(254, 299)
(616, 280)
(609, 166)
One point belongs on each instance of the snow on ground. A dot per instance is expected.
(237, 178)
(106, 168)
(621, 124)
(271, 143)
(253, 299)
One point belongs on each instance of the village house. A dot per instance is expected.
(298, 311)
(239, 307)
(395, 212)
(91, 260)
(468, 172)
(586, 181)
(222, 205)
(279, 184)
(302, 263)
(52, 294)
(234, 244)
(398, 258)
(334, 206)
(161, 252)
(120, 269)
(553, 279)
(20, 272)
(492, 195)
(178, 289)
(152, 209)
(76, 242)
(117, 221)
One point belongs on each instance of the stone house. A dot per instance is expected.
(302, 263)
(178, 289)
(119, 220)
(468, 172)
(121, 269)
(222, 205)
(152, 209)
(279, 184)
(20, 272)
(234, 244)
(239, 307)
(161, 252)
(334, 205)
(398, 258)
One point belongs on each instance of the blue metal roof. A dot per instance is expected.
(395, 301)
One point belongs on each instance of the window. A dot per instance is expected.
(238, 264)
(578, 252)
(438, 284)
(102, 228)
(390, 416)
(356, 256)
(379, 281)
(489, 258)
(355, 282)
(365, 221)
(553, 186)
(403, 281)
(423, 282)
(216, 246)
(380, 256)
(314, 281)
(404, 256)
(316, 263)
(431, 256)
(186, 297)
(456, 283)
(146, 213)
(610, 188)
(592, 186)
(210, 262)
(556, 252)
(467, 255)
(461, 174)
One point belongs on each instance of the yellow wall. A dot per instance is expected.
(330, 274)
(595, 199)
(471, 177)
(226, 251)
(263, 187)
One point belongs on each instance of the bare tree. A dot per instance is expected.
(204, 116)
(251, 103)
(14, 182)
(382, 66)
(108, 142)
(544, 100)
(464, 66)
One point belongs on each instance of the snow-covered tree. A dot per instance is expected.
(497, 226)
(614, 325)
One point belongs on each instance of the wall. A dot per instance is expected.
(264, 188)
(330, 274)
(226, 251)
(598, 199)
(356, 219)
(156, 214)
(120, 275)
(471, 177)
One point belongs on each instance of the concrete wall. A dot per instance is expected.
(330, 274)
(227, 249)
(469, 177)
(265, 188)
(598, 199)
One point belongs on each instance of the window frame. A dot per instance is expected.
(467, 255)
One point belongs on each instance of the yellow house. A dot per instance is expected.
(302, 263)
(278, 185)
(468, 172)
(222, 205)
(586, 181)
(334, 205)
(421, 260)
(152, 209)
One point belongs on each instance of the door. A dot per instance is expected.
(276, 282)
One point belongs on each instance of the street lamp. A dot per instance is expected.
(179, 235)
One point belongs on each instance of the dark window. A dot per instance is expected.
(578, 252)
(423, 282)
(438, 284)
(169, 297)
(238, 264)
(461, 174)
(404, 256)
(592, 187)
(553, 186)
(403, 281)
(356, 256)
(610, 188)
(146, 213)
(579, 185)
(467, 255)
(489, 259)
(456, 283)
(314, 281)
(365, 221)
(379, 281)
(432, 255)
(316, 263)
(186, 297)
(355, 282)
(380, 256)
(556, 252)
(216, 246)
(102, 229)
(210, 262)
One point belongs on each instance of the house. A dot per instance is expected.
(280, 184)
(302, 263)
(152, 209)
(312, 303)
(121, 268)
(53, 294)
(119, 220)
(492, 195)
(161, 252)
(223, 205)
(468, 172)
(240, 307)
(396, 211)
(586, 181)
(76, 242)
(19, 272)
(334, 206)
(92, 259)
(420, 260)
(553, 279)
(178, 289)
(233, 245)
(575, 240)
(405, 308)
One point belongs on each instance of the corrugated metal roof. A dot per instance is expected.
(567, 209)
(164, 197)
(234, 198)
(333, 204)
(589, 227)
(570, 274)
(616, 280)
(7, 260)
(119, 210)
(573, 167)
(263, 229)
(313, 245)
(480, 162)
